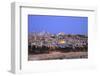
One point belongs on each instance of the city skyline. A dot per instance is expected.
(57, 24)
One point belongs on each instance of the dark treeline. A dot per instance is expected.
(44, 49)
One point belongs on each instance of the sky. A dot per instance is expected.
(57, 24)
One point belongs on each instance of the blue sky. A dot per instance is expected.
(56, 24)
